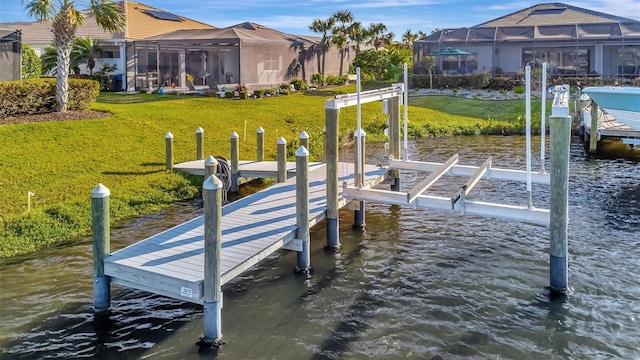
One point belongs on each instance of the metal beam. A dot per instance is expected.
(466, 170)
(432, 178)
(466, 189)
(347, 100)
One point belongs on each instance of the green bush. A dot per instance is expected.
(317, 79)
(285, 91)
(31, 65)
(299, 84)
(258, 93)
(336, 79)
(228, 94)
(269, 92)
(518, 89)
(244, 94)
(38, 96)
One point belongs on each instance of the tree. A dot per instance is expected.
(65, 20)
(408, 38)
(382, 64)
(323, 27)
(357, 35)
(48, 60)
(377, 35)
(341, 32)
(31, 67)
(83, 52)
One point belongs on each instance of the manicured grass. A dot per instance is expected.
(61, 162)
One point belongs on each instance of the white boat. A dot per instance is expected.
(621, 102)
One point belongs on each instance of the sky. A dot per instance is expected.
(295, 16)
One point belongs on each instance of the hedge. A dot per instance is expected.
(38, 96)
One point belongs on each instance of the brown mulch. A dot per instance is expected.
(55, 116)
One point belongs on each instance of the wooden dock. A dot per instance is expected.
(608, 126)
(172, 263)
(247, 169)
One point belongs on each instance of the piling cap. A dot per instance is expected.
(168, 135)
(212, 183)
(210, 161)
(260, 130)
(100, 192)
(281, 141)
(302, 151)
(199, 130)
(359, 133)
(304, 135)
(234, 135)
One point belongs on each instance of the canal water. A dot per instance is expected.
(415, 284)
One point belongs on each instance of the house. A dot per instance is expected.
(572, 41)
(10, 54)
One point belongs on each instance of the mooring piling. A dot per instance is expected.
(282, 159)
(101, 247)
(199, 143)
(304, 139)
(235, 162)
(210, 166)
(260, 144)
(359, 214)
(593, 132)
(331, 158)
(212, 193)
(394, 140)
(168, 144)
(302, 209)
(560, 129)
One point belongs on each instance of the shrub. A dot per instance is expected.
(317, 80)
(37, 96)
(269, 92)
(518, 89)
(31, 65)
(210, 93)
(284, 86)
(258, 93)
(336, 79)
(299, 84)
(228, 94)
(243, 94)
(285, 91)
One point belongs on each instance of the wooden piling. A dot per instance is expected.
(282, 159)
(199, 143)
(168, 144)
(302, 208)
(394, 140)
(235, 162)
(101, 247)
(260, 144)
(359, 214)
(210, 166)
(304, 140)
(560, 129)
(212, 194)
(332, 116)
(593, 133)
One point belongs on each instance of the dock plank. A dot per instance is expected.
(171, 263)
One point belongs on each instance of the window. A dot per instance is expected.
(560, 61)
(108, 52)
(461, 64)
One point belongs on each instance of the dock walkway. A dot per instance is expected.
(171, 263)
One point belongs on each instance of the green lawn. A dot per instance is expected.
(61, 162)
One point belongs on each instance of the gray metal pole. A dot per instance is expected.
(212, 194)
(235, 162)
(210, 166)
(560, 129)
(199, 143)
(168, 142)
(302, 208)
(332, 117)
(304, 140)
(593, 133)
(260, 144)
(394, 140)
(282, 159)
(359, 214)
(101, 247)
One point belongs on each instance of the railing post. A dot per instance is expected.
(304, 140)
(332, 116)
(212, 194)
(101, 247)
(302, 208)
(282, 159)
(168, 144)
(560, 129)
(358, 215)
(210, 166)
(199, 143)
(235, 162)
(260, 144)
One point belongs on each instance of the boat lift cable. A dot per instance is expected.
(224, 174)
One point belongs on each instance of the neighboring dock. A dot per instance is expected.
(607, 127)
(172, 262)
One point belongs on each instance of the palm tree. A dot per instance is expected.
(377, 36)
(408, 38)
(65, 20)
(324, 27)
(48, 60)
(83, 52)
(357, 35)
(340, 33)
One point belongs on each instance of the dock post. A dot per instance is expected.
(332, 116)
(593, 132)
(199, 143)
(260, 144)
(210, 166)
(282, 159)
(304, 140)
(358, 215)
(101, 247)
(235, 162)
(560, 129)
(212, 194)
(302, 209)
(394, 140)
(168, 144)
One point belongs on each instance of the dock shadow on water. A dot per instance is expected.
(415, 284)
